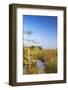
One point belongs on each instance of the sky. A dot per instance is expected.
(43, 28)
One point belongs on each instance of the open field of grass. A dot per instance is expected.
(33, 55)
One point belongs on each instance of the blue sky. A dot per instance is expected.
(44, 29)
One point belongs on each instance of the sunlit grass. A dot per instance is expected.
(48, 55)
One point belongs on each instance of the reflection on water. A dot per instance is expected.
(40, 65)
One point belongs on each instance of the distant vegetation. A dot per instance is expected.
(48, 56)
(33, 47)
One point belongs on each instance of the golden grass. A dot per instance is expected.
(48, 55)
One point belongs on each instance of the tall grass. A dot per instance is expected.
(49, 56)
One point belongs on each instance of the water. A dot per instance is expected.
(39, 65)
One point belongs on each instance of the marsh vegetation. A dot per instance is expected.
(39, 61)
